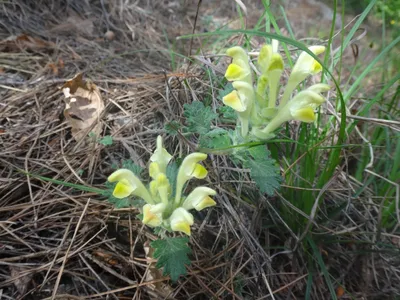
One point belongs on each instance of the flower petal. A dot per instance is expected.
(237, 53)
(235, 72)
(123, 189)
(264, 58)
(188, 169)
(232, 100)
(200, 198)
(305, 114)
(181, 220)
(161, 155)
(152, 214)
(305, 64)
(199, 172)
(127, 181)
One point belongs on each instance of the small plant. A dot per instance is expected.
(257, 106)
(166, 206)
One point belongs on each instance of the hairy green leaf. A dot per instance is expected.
(228, 112)
(130, 165)
(172, 127)
(216, 138)
(263, 169)
(172, 255)
(198, 117)
(107, 140)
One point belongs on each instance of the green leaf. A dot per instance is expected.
(172, 255)
(107, 140)
(228, 112)
(173, 127)
(263, 169)
(227, 89)
(198, 117)
(130, 165)
(216, 138)
(172, 173)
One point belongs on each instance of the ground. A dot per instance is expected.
(60, 243)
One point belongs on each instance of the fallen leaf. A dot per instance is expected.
(84, 106)
(20, 282)
(154, 274)
(26, 42)
(54, 68)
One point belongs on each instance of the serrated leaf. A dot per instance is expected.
(198, 117)
(263, 170)
(130, 165)
(172, 255)
(216, 138)
(228, 112)
(228, 88)
(172, 127)
(172, 172)
(107, 140)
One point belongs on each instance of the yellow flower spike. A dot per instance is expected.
(128, 182)
(152, 214)
(232, 100)
(235, 72)
(300, 108)
(188, 169)
(161, 155)
(181, 220)
(305, 65)
(199, 198)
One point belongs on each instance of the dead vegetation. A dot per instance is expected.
(60, 243)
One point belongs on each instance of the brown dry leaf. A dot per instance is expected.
(21, 282)
(24, 41)
(153, 273)
(84, 106)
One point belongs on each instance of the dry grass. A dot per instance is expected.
(58, 243)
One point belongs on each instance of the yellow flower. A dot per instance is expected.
(199, 198)
(163, 187)
(161, 156)
(239, 69)
(189, 168)
(305, 65)
(300, 108)
(152, 214)
(181, 220)
(241, 100)
(236, 72)
(128, 184)
(233, 100)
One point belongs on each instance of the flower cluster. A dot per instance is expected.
(256, 106)
(162, 208)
